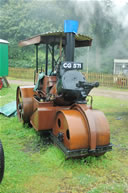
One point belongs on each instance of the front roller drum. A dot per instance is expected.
(24, 103)
(71, 124)
(82, 133)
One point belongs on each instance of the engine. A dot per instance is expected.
(72, 85)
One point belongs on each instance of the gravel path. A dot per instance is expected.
(96, 91)
(21, 82)
(110, 93)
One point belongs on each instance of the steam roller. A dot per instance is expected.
(57, 102)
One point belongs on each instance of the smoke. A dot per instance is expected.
(107, 22)
(120, 3)
(121, 12)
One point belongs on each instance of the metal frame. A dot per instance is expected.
(79, 152)
(52, 51)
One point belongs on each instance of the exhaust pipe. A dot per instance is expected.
(70, 28)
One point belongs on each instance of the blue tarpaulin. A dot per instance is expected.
(9, 109)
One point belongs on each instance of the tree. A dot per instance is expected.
(22, 20)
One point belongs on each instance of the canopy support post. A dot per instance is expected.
(36, 58)
(46, 66)
(52, 58)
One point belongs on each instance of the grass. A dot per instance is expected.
(32, 167)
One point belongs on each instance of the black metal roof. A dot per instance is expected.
(53, 38)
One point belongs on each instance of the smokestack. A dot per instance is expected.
(70, 28)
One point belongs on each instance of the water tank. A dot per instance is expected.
(3, 57)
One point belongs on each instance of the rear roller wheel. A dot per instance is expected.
(1, 162)
(24, 102)
(19, 101)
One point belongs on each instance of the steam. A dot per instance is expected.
(115, 13)
(120, 12)
(120, 3)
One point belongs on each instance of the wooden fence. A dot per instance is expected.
(107, 80)
(21, 73)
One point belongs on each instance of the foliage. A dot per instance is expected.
(33, 167)
(24, 19)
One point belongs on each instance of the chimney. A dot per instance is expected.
(70, 28)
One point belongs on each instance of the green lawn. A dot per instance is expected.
(32, 167)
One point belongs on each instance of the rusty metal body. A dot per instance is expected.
(58, 104)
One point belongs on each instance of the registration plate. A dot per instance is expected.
(73, 65)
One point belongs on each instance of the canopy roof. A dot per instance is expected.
(3, 41)
(53, 38)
